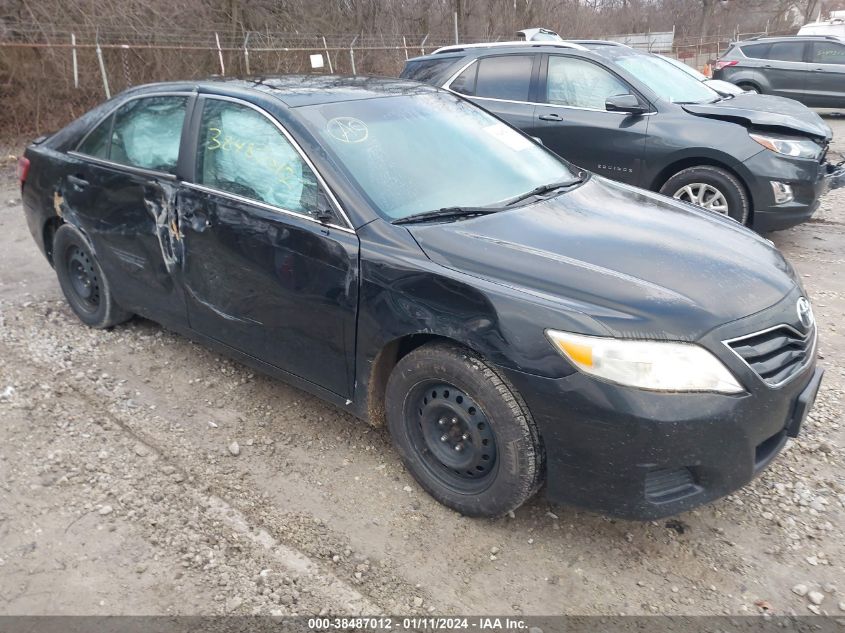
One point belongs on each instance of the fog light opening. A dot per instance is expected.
(783, 192)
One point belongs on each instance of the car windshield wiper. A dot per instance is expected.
(539, 191)
(446, 212)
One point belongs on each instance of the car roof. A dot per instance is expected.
(596, 53)
(589, 43)
(785, 38)
(455, 48)
(297, 90)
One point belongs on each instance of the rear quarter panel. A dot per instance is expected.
(40, 194)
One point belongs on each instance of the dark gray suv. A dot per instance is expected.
(633, 117)
(809, 69)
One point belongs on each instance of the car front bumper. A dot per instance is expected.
(641, 454)
(644, 455)
(809, 180)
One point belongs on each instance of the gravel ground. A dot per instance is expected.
(143, 474)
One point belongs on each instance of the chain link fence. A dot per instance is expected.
(48, 78)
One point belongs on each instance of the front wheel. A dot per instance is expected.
(712, 188)
(463, 433)
(750, 88)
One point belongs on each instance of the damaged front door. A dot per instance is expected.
(121, 191)
(261, 274)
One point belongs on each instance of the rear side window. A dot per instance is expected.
(828, 53)
(465, 82)
(787, 51)
(506, 77)
(756, 51)
(429, 71)
(96, 144)
(242, 152)
(147, 132)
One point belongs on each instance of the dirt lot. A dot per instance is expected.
(121, 493)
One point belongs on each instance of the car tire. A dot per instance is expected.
(83, 283)
(720, 189)
(750, 88)
(442, 396)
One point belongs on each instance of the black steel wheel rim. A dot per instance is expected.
(83, 278)
(453, 436)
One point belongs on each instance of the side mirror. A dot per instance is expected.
(538, 139)
(624, 103)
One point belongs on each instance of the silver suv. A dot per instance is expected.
(809, 69)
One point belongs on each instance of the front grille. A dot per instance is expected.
(776, 354)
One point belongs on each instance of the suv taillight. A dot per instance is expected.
(720, 64)
(23, 169)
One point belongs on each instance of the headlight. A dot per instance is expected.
(654, 365)
(788, 146)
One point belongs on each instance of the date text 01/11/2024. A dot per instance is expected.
(430, 623)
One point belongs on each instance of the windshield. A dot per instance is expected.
(411, 154)
(677, 63)
(666, 80)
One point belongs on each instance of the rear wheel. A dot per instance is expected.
(712, 188)
(82, 280)
(464, 434)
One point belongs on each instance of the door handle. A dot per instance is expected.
(79, 183)
(550, 117)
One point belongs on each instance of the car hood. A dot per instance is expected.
(768, 111)
(642, 265)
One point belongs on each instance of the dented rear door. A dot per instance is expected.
(121, 191)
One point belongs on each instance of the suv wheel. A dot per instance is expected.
(750, 88)
(463, 433)
(82, 280)
(712, 188)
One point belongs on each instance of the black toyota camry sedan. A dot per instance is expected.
(407, 256)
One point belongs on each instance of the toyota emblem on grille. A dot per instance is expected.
(805, 312)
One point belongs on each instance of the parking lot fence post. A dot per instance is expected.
(75, 61)
(99, 52)
(328, 56)
(220, 55)
(246, 54)
(352, 55)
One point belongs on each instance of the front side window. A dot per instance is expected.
(147, 133)
(96, 144)
(506, 77)
(787, 51)
(828, 53)
(424, 152)
(242, 152)
(666, 81)
(581, 84)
